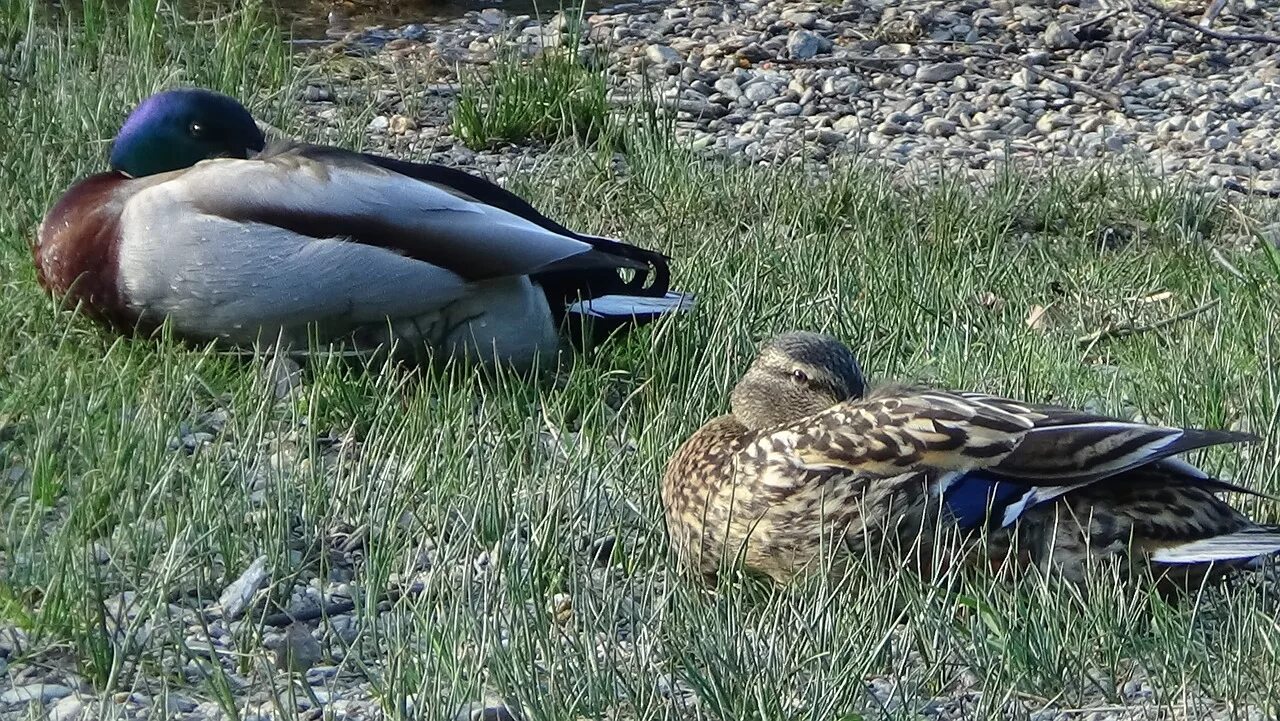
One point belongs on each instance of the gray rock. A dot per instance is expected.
(1248, 99)
(728, 88)
(1055, 88)
(938, 72)
(939, 128)
(661, 55)
(889, 128)
(70, 708)
(847, 124)
(787, 109)
(1052, 121)
(1060, 37)
(760, 92)
(754, 53)
(803, 44)
(298, 650)
(379, 124)
(415, 32)
(492, 711)
(826, 137)
(317, 94)
(800, 18)
(43, 693)
(235, 598)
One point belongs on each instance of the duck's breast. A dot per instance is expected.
(76, 249)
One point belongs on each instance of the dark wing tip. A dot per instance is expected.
(1202, 437)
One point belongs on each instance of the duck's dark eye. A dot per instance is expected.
(799, 376)
(195, 129)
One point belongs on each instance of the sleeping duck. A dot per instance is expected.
(810, 470)
(200, 223)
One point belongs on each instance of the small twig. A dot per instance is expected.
(1218, 258)
(1124, 329)
(1096, 21)
(1130, 50)
(1224, 37)
(1211, 13)
(1109, 99)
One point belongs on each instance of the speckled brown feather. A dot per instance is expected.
(852, 476)
(887, 436)
(864, 477)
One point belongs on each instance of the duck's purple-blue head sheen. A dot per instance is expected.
(176, 129)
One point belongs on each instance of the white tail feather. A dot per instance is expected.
(622, 306)
(1244, 545)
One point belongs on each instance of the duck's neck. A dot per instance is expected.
(78, 245)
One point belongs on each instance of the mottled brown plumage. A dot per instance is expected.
(809, 471)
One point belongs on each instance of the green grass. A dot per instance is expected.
(554, 96)
(160, 472)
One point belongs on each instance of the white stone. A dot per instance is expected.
(44, 693)
(70, 708)
(235, 598)
(1060, 37)
(661, 55)
(939, 72)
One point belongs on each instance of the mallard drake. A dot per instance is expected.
(809, 470)
(200, 222)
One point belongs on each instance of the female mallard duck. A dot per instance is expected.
(807, 457)
(200, 223)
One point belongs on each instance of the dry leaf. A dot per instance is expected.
(1038, 318)
(990, 300)
(1153, 298)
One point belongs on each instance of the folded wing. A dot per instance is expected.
(328, 194)
(993, 459)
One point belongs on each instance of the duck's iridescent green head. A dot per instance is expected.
(176, 129)
(795, 375)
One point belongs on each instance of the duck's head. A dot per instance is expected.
(176, 129)
(795, 375)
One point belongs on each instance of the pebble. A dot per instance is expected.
(69, 708)
(803, 44)
(43, 693)
(939, 128)
(317, 94)
(760, 92)
(662, 55)
(890, 128)
(938, 72)
(1060, 37)
(235, 598)
(487, 711)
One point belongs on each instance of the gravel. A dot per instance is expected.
(943, 83)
